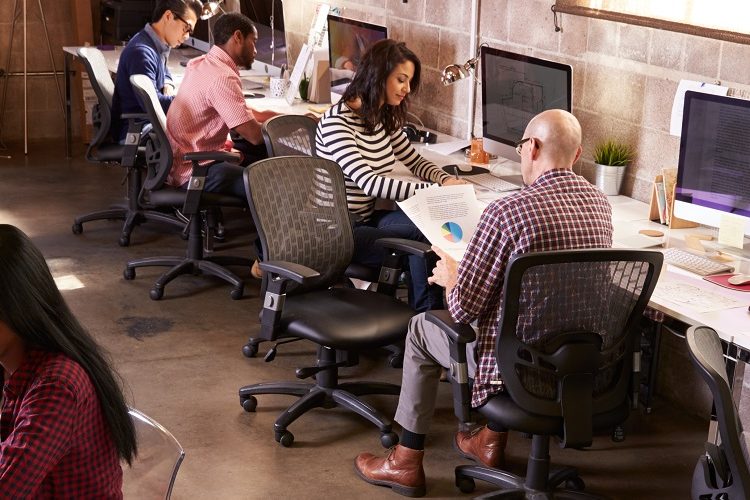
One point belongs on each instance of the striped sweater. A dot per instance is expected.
(367, 159)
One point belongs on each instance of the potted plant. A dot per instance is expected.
(611, 158)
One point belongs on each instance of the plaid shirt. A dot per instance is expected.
(55, 442)
(560, 210)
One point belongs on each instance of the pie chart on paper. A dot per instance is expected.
(452, 232)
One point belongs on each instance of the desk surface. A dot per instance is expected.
(629, 216)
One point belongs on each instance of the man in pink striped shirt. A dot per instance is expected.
(210, 104)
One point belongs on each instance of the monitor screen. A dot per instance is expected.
(271, 44)
(514, 89)
(348, 40)
(713, 173)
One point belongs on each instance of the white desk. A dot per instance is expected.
(259, 72)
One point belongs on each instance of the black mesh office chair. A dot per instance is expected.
(103, 149)
(194, 202)
(723, 472)
(300, 212)
(564, 351)
(289, 135)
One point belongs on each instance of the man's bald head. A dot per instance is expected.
(559, 136)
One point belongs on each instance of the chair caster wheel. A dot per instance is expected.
(396, 360)
(129, 273)
(156, 293)
(618, 434)
(285, 438)
(389, 439)
(249, 350)
(575, 484)
(124, 241)
(77, 228)
(237, 293)
(465, 484)
(249, 403)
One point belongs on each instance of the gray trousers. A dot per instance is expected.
(426, 353)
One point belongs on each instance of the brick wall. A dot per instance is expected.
(624, 76)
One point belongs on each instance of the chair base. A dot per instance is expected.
(311, 396)
(540, 482)
(131, 217)
(212, 265)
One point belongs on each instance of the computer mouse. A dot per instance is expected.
(739, 279)
(465, 168)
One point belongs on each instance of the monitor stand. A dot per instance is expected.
(742, 253)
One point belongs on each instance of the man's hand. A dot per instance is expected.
(445, 272)
(452, 181)
(168, 89)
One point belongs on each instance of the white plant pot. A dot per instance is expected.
(609, 178)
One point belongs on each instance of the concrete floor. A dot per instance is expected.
(181, 362)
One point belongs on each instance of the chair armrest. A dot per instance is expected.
(134, 116)
(289, 270)
(396, 250)
(275, 295)
(459, 335)
(402, 245)
(213, 156)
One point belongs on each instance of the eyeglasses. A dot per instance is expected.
(519, 145)
(187, 29)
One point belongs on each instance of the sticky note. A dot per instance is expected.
(732, 231)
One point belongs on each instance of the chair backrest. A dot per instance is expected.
(104, 88)
(287, 135)
(300, 213)
(154, 470)
(567, 331)
(705, 350)
(158, 150)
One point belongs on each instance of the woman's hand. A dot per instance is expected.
(452, 181)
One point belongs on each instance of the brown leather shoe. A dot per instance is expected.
(400, 470)
(255, 270)
(482, 445)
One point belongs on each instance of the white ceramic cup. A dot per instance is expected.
(278, 87)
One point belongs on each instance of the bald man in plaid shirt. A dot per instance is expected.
(556, 210)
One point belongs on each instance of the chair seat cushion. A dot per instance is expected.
(501, 408)
(111, 152)
(171, 197)
(346, 318)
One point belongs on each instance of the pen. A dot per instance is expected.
(455, 171)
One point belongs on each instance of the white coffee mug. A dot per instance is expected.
(278, 87)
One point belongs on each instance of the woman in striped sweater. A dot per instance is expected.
(362, 133)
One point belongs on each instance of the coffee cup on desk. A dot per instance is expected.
(278, 87)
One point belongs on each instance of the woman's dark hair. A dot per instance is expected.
(230, 22)
(369, 84)
(33, 308)
(178, 6)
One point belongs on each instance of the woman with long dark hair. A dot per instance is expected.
(363, 134)
(65, 425)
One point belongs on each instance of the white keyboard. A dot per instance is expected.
(697, 264)
(492, 182)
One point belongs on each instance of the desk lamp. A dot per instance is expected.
(453, 73)
(210, 9)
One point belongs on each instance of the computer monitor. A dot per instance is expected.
(516, 87)
(713, 174)
(271, 44)
(348, 40)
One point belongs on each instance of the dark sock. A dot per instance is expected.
(495, 427)
(412, 440)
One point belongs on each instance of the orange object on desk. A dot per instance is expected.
(478, 154)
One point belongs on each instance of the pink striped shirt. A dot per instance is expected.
(208, 105)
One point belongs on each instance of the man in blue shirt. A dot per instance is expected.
(147, 52)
